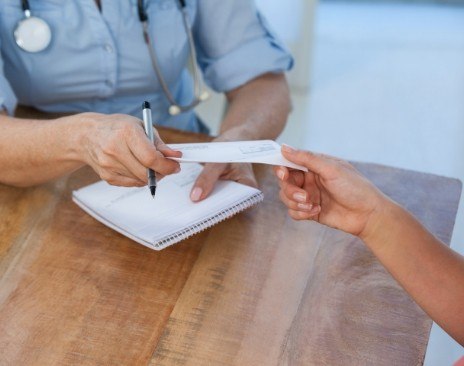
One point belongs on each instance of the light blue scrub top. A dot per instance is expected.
(98, 61)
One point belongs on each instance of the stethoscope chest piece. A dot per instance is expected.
(33, 34)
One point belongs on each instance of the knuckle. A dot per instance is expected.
(212, 172)
(127, 129)
(160, 144)
(113, 182)
(90, 115)
(300, 216)
(123, 126)
(122, 119)
(171, 170)
(105, 161)
(108, 177)
(288, 190)
(149, 159)
(287, 201)
(206, 177)
(110, 146)
(125, 183)
(206, 172)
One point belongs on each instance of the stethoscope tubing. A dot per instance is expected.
(199, 95)
(25, 5)
(175, 108)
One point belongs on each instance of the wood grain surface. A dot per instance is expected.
(258, 289)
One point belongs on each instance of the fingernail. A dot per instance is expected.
(315, 210)
(280, 174)
(305, 206)
(300, 197)
(196, 194)
(288, 149)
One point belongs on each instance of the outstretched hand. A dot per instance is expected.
(333, 192)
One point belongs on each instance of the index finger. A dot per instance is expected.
(149, 156)
(163, 148)
(318, 163)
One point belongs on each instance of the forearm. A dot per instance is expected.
(257, 110)
(32, 152)
(427, 269)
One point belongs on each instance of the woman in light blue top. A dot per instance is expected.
(97, 60)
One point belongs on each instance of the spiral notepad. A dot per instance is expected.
(171, 216)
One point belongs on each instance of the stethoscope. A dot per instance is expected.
(33, 34)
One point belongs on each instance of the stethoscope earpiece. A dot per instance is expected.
(32, 34)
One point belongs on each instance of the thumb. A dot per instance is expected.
(205, 181)
(314, 162)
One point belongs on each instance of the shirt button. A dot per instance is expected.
(108, 48)
(109, 83)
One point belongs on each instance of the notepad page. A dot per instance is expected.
(134, 213)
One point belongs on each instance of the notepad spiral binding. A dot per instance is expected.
(211, 221)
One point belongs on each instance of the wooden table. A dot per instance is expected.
(258, 289)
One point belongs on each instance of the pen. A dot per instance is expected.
(148, 125)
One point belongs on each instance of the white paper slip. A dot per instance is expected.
(171, 216)
(261, 151)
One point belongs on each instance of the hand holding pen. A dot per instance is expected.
(160, 145)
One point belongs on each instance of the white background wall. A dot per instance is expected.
(387, 86)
